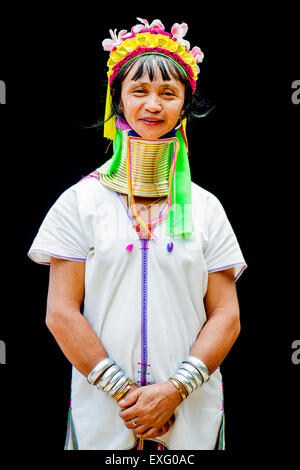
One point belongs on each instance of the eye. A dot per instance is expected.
(168, 93)
(139, 91)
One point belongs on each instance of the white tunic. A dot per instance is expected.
(145, 305)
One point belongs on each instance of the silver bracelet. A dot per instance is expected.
(199, 365)
(184, 381)
(112, 381)
(99, 369)
(195, 372)
(108, 375)
(191, 373)
(183, 371)
(117, 385)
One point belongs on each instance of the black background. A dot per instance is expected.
(245, 152)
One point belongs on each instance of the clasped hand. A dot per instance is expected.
(148, 410)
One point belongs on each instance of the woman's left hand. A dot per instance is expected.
(149, 408)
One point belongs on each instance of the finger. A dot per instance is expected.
(171, 421)
(129, 400)
(122, 406)
(141, 429)
(131, 424)
(152, 432)
(164, 429)
(128, 413)
(137, 428)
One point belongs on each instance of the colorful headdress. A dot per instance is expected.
(147, 39)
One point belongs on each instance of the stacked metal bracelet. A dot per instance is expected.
(191, 374)
(113, 381)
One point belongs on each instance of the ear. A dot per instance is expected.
(121, 108)
(182, 113)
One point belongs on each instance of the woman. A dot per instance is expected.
(150, 258)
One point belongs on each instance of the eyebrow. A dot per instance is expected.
(165, 84)
(139, 82)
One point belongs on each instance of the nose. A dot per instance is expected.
(153, 103)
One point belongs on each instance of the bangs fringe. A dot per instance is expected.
(150, 64)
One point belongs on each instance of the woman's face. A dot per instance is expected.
(151, 108)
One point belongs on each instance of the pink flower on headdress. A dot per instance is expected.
(197, 53)
(115, 41)
(179, 31)
(155, 25)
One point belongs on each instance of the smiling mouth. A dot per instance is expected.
(152, 121)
